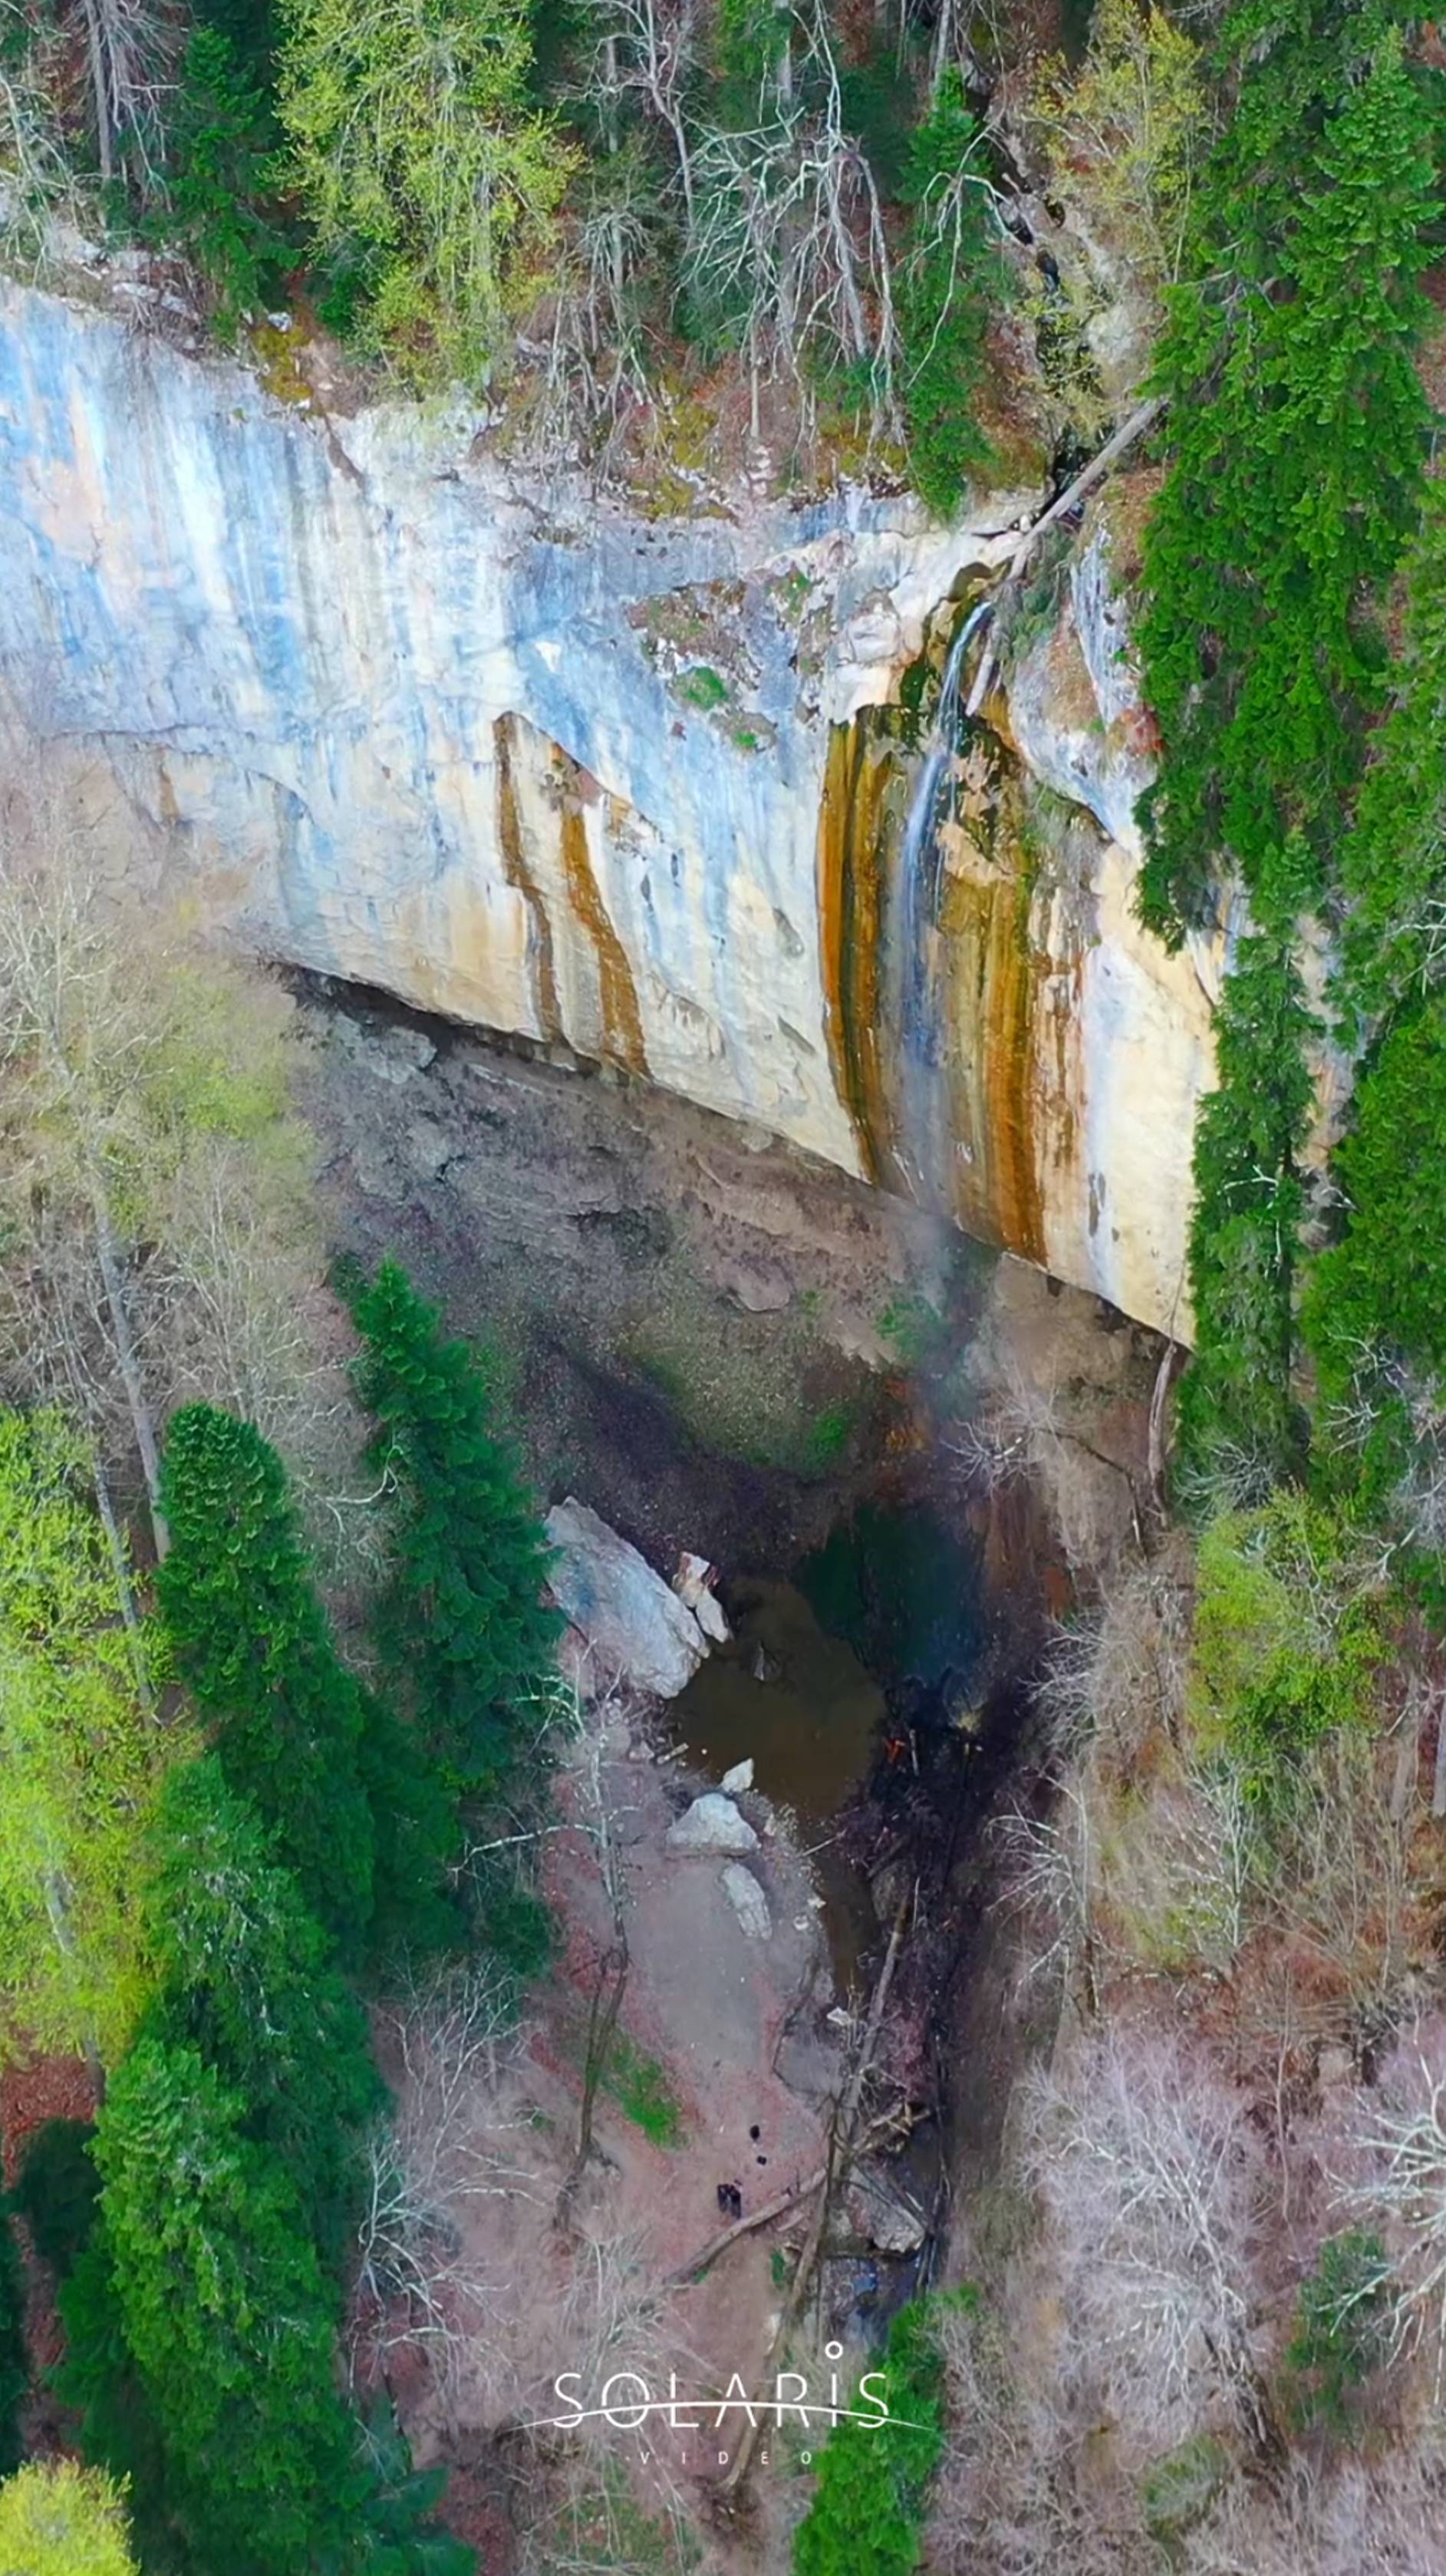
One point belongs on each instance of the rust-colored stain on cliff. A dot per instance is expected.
(514, 860)
(850, 859)
(622, 1028)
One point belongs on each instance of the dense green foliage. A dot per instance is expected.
(222, 142)
(1298, 430)
(866, 2518)
(1374, 1316)
(81, 1749)
(1240, 1426)
(951, 276)
(226, 2314)
(1288, 1641)
(253, 1644)
(247, 1979)
(465, 1637)
(1342, 2329)
(57, 2190)
(417, 152)
(462, 1625)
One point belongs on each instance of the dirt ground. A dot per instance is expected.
(544, 2281)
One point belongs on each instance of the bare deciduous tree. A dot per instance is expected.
(419, 2287)
(1150, 2170)
(788, 237)
(164, 1239)
(1118, 1679)
(130, 48)
(1402, 2136)
(648, 50)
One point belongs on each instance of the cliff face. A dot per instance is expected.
(633, 785)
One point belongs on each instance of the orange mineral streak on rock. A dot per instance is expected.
(519, 874)
(622, 1025)
(849, 862)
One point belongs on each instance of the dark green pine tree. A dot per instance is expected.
(1237, 1422)
(1297, 431)
(255, 1647)
(248, 1978)
(462, 1626)
(951, 274)
(1373, 1314)
(14, 2359)
(222, 2311)
(221, 163)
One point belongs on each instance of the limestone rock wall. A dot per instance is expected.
(525, 758)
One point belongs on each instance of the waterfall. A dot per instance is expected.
(924, 1129)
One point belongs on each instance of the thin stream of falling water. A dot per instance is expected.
(924, 1146)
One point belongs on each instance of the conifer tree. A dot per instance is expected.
(254, 1644)
(1236, 1417)
(951, 274)
(248, 1980)
(1298, 429)
(226, 2316)
(463, 1625)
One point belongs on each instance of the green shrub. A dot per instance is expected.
(1342, 2330)
(1288, 1641)
(867, 2514)
(1178, 2489)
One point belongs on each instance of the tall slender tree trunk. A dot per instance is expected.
(112, 1273)
(95, 50)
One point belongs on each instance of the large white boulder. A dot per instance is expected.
(635, 1628)
(712, 1824)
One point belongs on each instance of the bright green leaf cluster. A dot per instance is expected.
(1288, 1640)
(58, 2519)
(417, 152)
(82, 1752)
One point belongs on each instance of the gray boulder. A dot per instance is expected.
(636, 1628)
(748, 1902)
(712, 1824)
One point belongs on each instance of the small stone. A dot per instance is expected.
(738, 1779)
(711, 1824)
(748, 1902)
(693, 1584)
